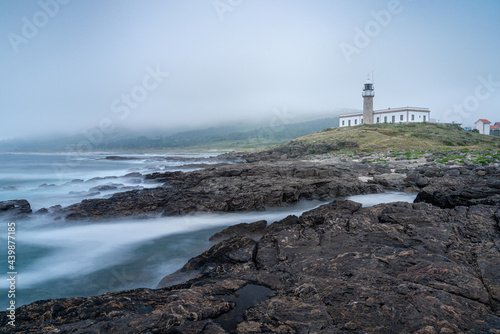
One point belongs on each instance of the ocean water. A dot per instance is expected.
(387, 197)
(57, 258)
(51, 179)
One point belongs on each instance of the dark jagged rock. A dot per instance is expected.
(251, 230)
(105, 187)
(224, 254)
(464, 190)
(427, 267)
(16, 208)
(120, 158)
(254, 186)
(53, 210)
(340, 268)
(45, 185)
(102, 178)
(238, 187)
(9, 188)
(133, 175)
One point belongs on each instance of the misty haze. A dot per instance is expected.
(237, 166)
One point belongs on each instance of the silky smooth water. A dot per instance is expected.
(65, 259)
(387, 197)
(56, 259)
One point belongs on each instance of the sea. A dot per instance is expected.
(61, 259)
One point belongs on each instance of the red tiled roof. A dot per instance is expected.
(494, 127)
(484, 120)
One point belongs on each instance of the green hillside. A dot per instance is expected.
(416, 136)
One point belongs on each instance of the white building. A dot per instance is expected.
(483, 125)
(396, 115)
(369, 116)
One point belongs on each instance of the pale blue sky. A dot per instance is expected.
(88, 63)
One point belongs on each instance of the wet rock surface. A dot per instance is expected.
(228, 188)
(425, 267)
(340, 268)
(18, 208)
(462, 187)
(252, 230)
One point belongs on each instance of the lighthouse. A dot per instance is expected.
(368, 95)
(384, 116)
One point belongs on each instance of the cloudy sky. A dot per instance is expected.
(68, 66)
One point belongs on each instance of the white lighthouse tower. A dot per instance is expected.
(389, 115)
(368, 94)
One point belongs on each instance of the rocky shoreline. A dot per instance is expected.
(229, 188)
(426, 267)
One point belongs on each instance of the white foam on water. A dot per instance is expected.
(79, 248)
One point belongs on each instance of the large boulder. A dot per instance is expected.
(15, 208)
(224, 254)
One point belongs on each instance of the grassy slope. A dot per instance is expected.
(421, 136)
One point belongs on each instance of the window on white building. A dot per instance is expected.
(385, 119)
(393, 119)
(378, 119)
(412, 117)
(343, 122)
(349, 122)
(355, 121)
(400, 117)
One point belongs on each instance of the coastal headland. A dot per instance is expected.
(431, 266)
